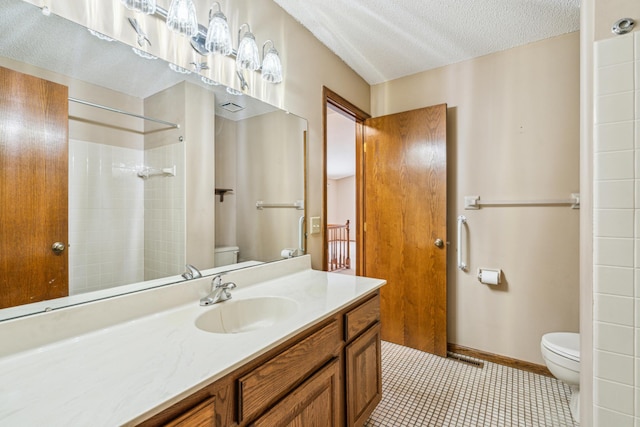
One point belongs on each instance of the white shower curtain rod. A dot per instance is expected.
(115, 110)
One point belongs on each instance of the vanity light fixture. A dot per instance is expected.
(143, 54)
(179, 69)
(208, 81)
(271, 65)
(218, 35)
(144, 6)
(234, 92)
(247, 57)
(182, 18)
(100, 35)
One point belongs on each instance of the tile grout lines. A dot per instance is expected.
(420, 389)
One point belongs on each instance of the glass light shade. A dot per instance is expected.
(143, 54)
(218, 35)
(248, 56)
(271, 67)
(182, 18)
(144, 6)
(179, 69)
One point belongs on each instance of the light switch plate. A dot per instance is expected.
(315, 224)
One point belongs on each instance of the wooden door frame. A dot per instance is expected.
(330, 97)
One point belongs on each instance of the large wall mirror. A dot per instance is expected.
(215, 179)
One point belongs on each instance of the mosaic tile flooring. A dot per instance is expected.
(420, 389)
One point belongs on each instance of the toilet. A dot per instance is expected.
(225, 255)
(561, 354)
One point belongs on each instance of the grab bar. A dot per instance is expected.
(461, 221)
(301, 235)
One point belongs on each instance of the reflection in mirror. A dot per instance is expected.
(140, 192)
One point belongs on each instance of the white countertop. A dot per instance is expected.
(128, 371)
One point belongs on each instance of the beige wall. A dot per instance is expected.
(226, 152)
(267, 147)
(609, 11)
(513, 134)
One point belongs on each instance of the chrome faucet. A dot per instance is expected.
(219, 291)
(191, 273)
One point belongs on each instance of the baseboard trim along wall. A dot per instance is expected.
(500, 360)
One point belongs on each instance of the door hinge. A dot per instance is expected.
(364, 147)
(365, 227)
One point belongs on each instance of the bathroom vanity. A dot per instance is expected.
(292, 345)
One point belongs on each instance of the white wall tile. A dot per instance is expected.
(614, 280)
(614, 79)
(615, 396)
(614, 165)
(614, 309)
(607, 418)
(614, 252)
(614, 367)
(614, 223)
(614, 108)
(614, 194)
(614, 136)
(614, 51)
(613, 338)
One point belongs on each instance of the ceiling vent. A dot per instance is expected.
(232, 107)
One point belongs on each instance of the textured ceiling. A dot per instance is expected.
(382, 40)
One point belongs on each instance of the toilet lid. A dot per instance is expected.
(566, 344)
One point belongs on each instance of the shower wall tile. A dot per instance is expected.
(614, 51)
(105, 213)
(614, 280)
(614, 367)
(614, 108)
(614, 165)
(613, 338)
(614, 136)
(605, 417)
(614, 194)
(615, 78)
(614, 396)
(614, 223)
(614, 252)
(614, 309)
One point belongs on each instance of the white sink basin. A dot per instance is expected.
(245, 315)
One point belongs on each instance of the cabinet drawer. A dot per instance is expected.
(266, 384)
(200, 416)
(361, 317)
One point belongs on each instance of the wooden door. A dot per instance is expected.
(33, 188)
(405, 204)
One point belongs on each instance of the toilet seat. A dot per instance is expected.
(564, 344)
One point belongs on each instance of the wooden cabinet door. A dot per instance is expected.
(203, 415)
(405, 214)
(364, 376)
(33, 188)
(315, 403)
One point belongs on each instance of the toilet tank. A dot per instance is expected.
(225, 255)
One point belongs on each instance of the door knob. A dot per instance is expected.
(58, 247)
(439, 243)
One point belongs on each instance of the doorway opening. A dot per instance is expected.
(342, 204)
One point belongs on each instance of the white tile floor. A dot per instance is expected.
(420, 389)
